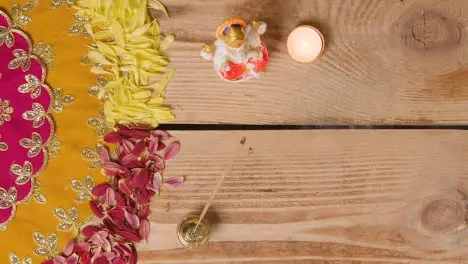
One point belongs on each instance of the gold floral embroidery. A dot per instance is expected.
(5, 111)
(68, 220)
(34, 144)
(38, 196)
(84, 60)
(58, 3)
(101, 82)
(53, 147)
(6, 36)
(8, 199)
(78, 26)
(100, 124)
(83, 188)
(16, 260)
(19, 13)
(37, 115)
(3, 146)
(22, 59)
(59, 100)
(45, 245)
(23, 174)
(92, 156)
(45, 53)
(32, 85)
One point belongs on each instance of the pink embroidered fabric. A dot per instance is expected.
(25, 126)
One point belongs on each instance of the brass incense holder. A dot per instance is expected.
(190, 235)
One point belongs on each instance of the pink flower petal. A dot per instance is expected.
(127, 146)
(158, 162)
(139, 126)
(157, 181)
(125, 188)
(110, 197)
(171, 150)
(49, 261)
(72, 260)
(103, 154)
(128, 158)
(128, 235)
(113, 138)
(133, 133)
(120, 200)
(133, 257)
(100, 260)
(143, 212)
(161, 134)
(88, 231)
(140, 146)
(116, 213)
(174, 181)
(118, 261)
(139, 180)
(85, 257)
(111, 168)
(132, 219)
(82, 247)
(161, 146)
(100, 189)
(68, 250)
(94, 205)
(60, 260)
(153, 144)
(144, 229)
(109, 255)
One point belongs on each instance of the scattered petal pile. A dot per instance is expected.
(122, 203)
(128, 47)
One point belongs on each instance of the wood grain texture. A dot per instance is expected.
(386, 62)
(319, 197)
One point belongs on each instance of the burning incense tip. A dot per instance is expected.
(243, 139)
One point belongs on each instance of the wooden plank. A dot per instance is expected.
(319, 197)
(386, 62)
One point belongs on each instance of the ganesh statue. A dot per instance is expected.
(238, 53)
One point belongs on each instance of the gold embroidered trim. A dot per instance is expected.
(19, 13)
(59, 100)
(100, 124)
(3, 146)
(8, 198)
(45, 53)
(23, 174)
(92, 156)
(32, 85)
(83, 188)
(38, 196)
(5, 111)
(37, 115)
(34, 145)
(22, 59)
(95, 90)
(6, 36)
(53, 147)
(78, 26)
(16, 260)
(68, 221)
(46, 246)
(58, 3)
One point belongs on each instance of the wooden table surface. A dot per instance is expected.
(323, 196)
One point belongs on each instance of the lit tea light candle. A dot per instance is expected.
(305, 44)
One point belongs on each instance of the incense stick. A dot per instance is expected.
(220, 182)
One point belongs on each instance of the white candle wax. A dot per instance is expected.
(305, 44)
